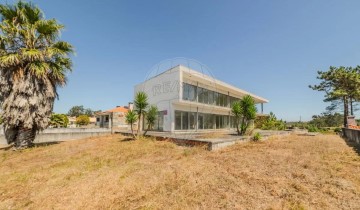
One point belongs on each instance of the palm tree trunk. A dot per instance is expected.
(237, 127)
(243, 126)
(25, 137)
(138, 131)
(146, 130)
(132, 130)
(10, 134)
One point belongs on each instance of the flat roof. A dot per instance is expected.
(220, 83)
(207, 78)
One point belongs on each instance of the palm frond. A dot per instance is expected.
(49, 29)
(8, 60)
(60, 48)
(7, 12)
(39, 69)
(32, 55)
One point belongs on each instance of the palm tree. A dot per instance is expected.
(151, 115)
(248, 108)
(131, 118)
(237, 113)
(244, 111)
(141, 104)
(33, 64)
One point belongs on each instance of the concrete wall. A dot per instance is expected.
(162, 90)
(352, 135)
(64, 134)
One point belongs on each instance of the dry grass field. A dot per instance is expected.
(291, 172)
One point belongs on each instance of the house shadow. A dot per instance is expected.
(127, 139)
(353, 144)
(36, 145)
(45, 144)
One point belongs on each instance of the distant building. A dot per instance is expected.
(188, 100)
(72, 122)
(114, 118)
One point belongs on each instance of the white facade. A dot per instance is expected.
(184, 93)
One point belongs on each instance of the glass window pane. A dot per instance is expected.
(216, 98)
(185, 120)
(192, 93)
(201, 121)
(192, 121)
(185, 91)
(206, 96)
(200, 95)
(209, 121)
(177, 120)
(211, 97)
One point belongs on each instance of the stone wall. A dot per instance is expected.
(352, 135)
(63, 134)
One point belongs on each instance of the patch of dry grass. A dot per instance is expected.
(292, 172)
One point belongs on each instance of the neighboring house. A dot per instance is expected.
(192, 101)
(114, 118)
(72, 122)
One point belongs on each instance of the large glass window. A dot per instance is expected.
(189, 92)
(185, 120)
(192, 120)
(211, 97)
(221, 121)
(216, 98)
(200, 121)
(200, 95)
(208, 121)
(206, 96)
(177, 120)
(159, 121)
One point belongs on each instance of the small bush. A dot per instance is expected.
(257, 137)
(337, 130)
(83, 120)
(312, 128)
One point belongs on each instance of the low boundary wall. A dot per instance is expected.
(352, 135)
(63, 134)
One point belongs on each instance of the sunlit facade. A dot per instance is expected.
(189, 100)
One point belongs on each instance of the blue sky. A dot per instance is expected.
(270, 48)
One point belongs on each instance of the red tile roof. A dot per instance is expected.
(118, 109)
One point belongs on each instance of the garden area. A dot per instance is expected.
(291, 172)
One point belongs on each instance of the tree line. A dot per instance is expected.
(342, 88)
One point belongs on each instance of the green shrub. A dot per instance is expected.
(270, 123)
(257, 136)
(337, 130)
(83, 120)
(312, 128)
(59, 121)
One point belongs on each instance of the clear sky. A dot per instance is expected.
(270, 48)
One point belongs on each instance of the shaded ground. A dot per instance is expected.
(289, 172)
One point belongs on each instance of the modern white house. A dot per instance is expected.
(189, 100)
